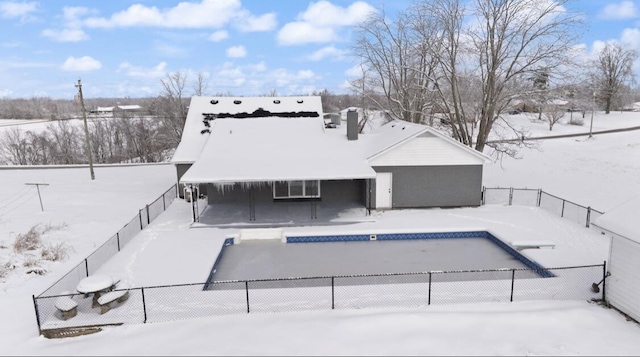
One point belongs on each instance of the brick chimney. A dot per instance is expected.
(352, 125)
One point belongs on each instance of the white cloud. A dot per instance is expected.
(82, 64)
(318, 24)
(355, 71)
(324, 13)
(5, 93)
(66, 35)
(130, 70)
(250, 23)
(219, 36)
(258, 79)
(236, 52)
(297, 33)
(622, 10)
(203, 14)
(329, 51)
(631, 37)
(12, 9)
(170, 50)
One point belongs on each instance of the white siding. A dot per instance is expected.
(623, 286)
(426, 150)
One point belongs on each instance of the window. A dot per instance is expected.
(296, 189)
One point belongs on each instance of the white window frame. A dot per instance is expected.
(304, 189)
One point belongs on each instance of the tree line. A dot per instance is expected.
(458, 62)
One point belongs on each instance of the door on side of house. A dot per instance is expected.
(383, 190)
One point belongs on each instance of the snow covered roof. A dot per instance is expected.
(266, 139)
(193, 140)
(276, 149)
(622, 219)
(129, 107)
(396, 132)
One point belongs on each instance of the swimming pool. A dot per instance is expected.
(305, 256)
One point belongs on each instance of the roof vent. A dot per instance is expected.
(300, 101)
(277, 101)
(214, 101)
(237, 101)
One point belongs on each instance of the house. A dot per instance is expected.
(119, 110)
(623, 284)
(276, 149)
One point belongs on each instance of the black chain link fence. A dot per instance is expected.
(112, 246)
(188, 301)
(536, 197)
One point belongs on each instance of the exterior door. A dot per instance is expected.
(383, 189)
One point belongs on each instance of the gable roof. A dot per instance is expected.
(266, 139)
(275, 149)
(397, 132)
(622, 219)
(194, 139)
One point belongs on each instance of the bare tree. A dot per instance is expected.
(14, 147)
(397, 65)
(171, 107)
(201, 84)
(612, 68)
(465, 60)
(513, 38)
(553, 113)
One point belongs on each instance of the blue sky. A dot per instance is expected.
(245, 47)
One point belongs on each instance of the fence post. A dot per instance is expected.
(118, 238)
(482, 195)
(588, 216)
(510, 195)
(539, 197)
(513, 278)
(562, 214)
(164, 205)
(333, 294)
(144, 306)
(246, 287)
(140, 218)
(148, 219)
(86, 266)
(429, 301)
(35, 306)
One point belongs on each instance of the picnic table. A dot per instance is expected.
(97, 285)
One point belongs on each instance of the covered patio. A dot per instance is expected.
(282, 214)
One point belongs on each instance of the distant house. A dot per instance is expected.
(269, 149)
(623, 285)
(119, 110)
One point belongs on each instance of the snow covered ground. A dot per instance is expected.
(601, 172)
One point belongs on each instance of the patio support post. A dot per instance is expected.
(333, 294)
(429, 301)
(513, 279)
(604, 281)
(246, 287)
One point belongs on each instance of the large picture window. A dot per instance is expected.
(296, 189)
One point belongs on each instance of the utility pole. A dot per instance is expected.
(86, 129)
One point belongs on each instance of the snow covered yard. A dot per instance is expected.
(600, 172)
